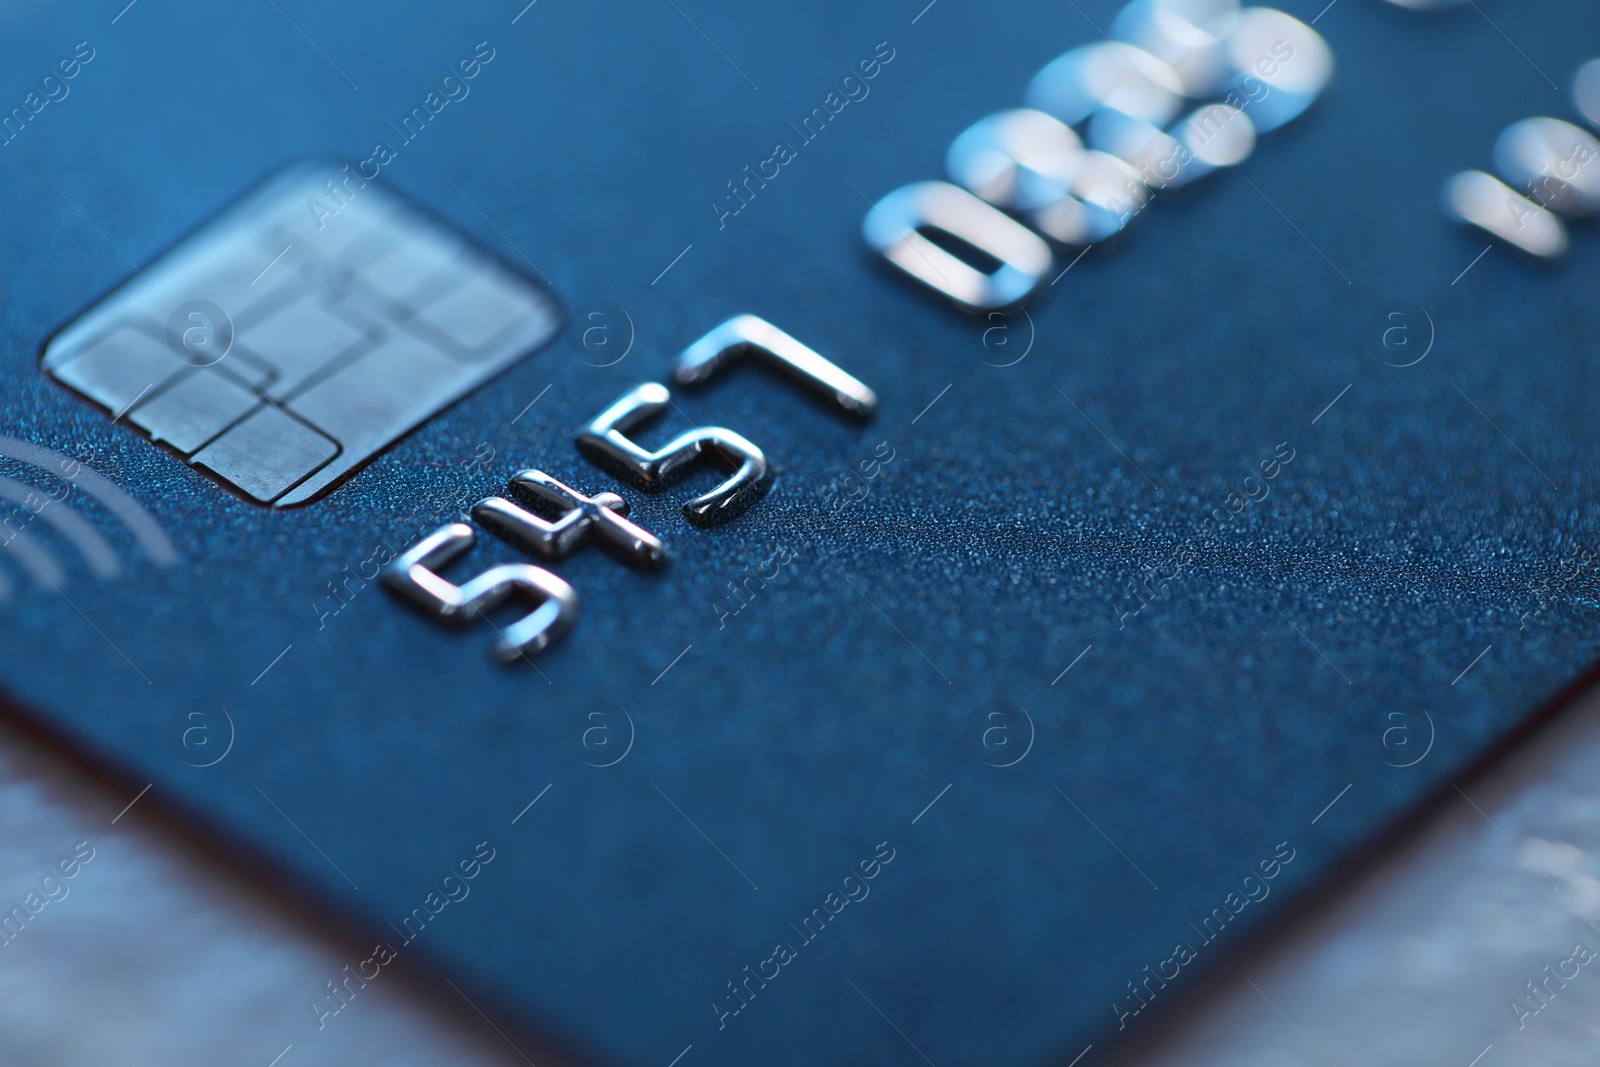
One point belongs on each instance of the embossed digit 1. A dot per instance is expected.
(414, 575)
(605, 441)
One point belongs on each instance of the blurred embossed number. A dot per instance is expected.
(1079, 190)
(956, 244)
(1551, 171)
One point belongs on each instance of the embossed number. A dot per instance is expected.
(414, 575)
(579, 520)
(605, 441)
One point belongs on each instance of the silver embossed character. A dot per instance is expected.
(570, 521)
(605, 441)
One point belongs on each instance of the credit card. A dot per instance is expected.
(895, 532)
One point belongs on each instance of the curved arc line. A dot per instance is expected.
(90, 542)
(1033, 733)
(35, 559)
(633, 734)
(151, 537)
(1033, 335)
(1433, 733)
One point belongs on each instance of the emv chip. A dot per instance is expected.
(300, 332)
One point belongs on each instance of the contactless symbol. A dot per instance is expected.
(280, 347)
(38, 511)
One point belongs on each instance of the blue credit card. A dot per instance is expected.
(894, 532)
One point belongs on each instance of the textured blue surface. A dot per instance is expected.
(1407, 535)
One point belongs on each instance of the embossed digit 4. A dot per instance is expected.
(580, 520)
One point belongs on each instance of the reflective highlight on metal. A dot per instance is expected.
(1266, 66)
(578, 521)
(1190, 36)
(894, 228)
(1586, 91)
(1161, 161)
(1107, 193)
(604, 440)
(1484, 201)
(1019, 159)
(1282, 65)
(1108, 74)
(1218, 136)
(1557, 163)
(300, 332)
(754, 336)
(413, 575)
(1212, 136)
(1112, 185)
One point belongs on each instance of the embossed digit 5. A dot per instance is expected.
(414, 575)
(605, 441)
